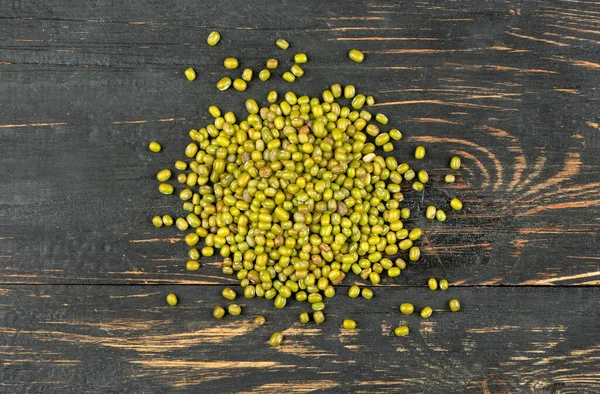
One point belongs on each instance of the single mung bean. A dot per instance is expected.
(349, 324)
(165, 188)
(455, 163)
(426, 312)
(319, 317)
(213, 38)
(272, 96)
(276, 339)
(409, 175)
(239, 84)
(353, 291)
(272, 64)
(229, 293)
(180, 165)
(440, 215)
(260, 320)
(370, 100)
(190, 74)
(288, 76)
(234, 309)
(358, 101)
(300, 58)
(443, 284)
(449, 178)
(400, 263)
(219, 312)
(407, 308)
(192, 265)
(456, 204)
(349, 91)
(297, 70)
(430, 212)
(336, 90)
(423, 176)
(393, 272)
(157, 221)
(381, 118)
(224, 83)
(356, 55)
(454, 305)
(154, 146)
(395, 134)
(414, 253)
(432, 283)
(172, 299)
(247, 74)
(264, 75)
(231, 63)
(405, 213)
(401, 331)
(367, 293)
(418, 186)
(167, 220)
(283, 44)
(415, 234)
(419, 152)
(304, 317)
(252, 106)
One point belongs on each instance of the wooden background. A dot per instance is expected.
(511, 86)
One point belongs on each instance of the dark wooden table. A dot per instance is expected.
(511, 86)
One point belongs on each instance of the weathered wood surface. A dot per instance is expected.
(126, 339)
(510, 86)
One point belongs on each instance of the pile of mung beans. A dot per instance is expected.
(297, 195)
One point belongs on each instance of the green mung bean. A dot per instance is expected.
(426, 312)
(157, 221)
(419, 152)
(300, 58)
(407, 308)
(219, 312)
(454, 305)
(264, 75)
(456, 204)
(213, 38)
(455, 163)
(154, 146)
(172, 299)
(247, 74)
(443, 284)
(272, 64)
(432, 283)
(230, 63)
(283, 44)
(276, 339)
(401, 331)
(234, 309)
(190, 74)
(349, 324)
(224, 83)
(356, 55)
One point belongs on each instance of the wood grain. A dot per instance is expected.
(126, 339)
(510, 86)
(81, 104)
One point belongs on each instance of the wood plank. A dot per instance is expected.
(512, 88)
(125, 338)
